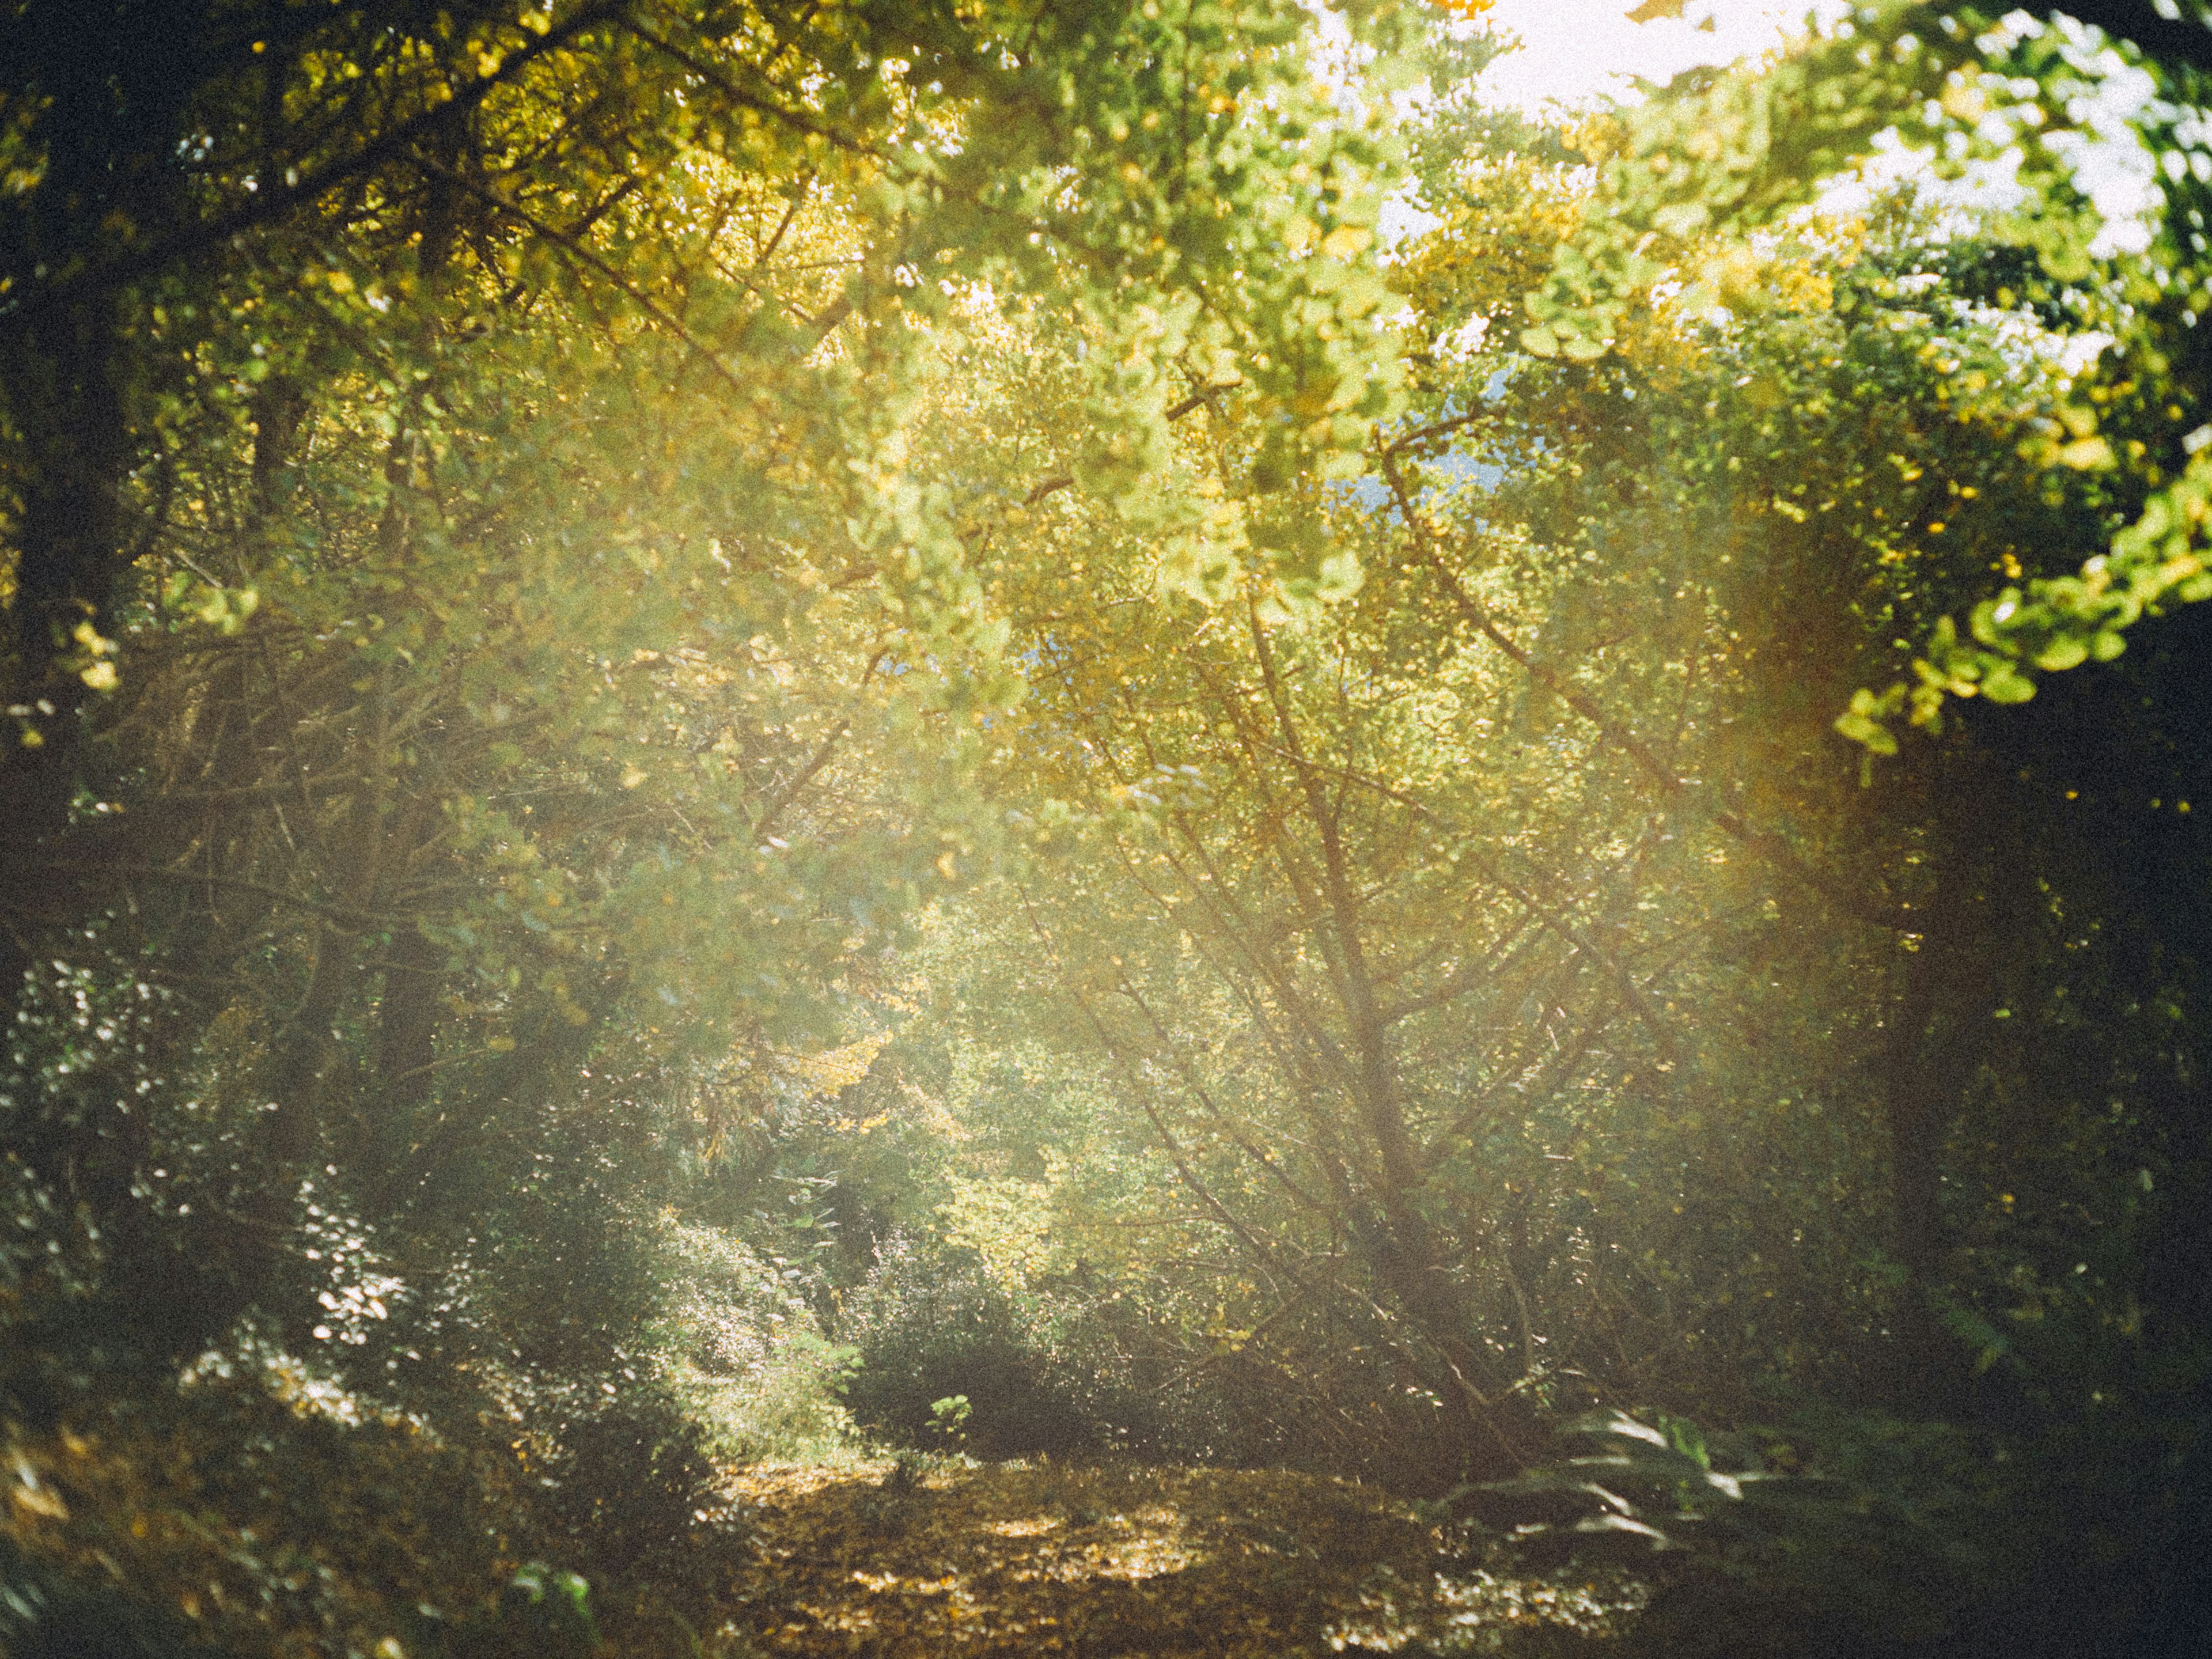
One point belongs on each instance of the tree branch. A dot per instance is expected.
(274, 200)
(1765, 842)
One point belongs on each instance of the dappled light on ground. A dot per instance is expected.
(1119, 1559)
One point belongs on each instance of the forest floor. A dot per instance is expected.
(1042, 1557)
(262, 1542)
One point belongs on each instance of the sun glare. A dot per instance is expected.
(1575, 51)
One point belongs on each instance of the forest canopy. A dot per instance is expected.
(1131, 734)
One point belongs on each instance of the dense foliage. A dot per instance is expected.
(736, 728)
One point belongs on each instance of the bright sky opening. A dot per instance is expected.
(1576, 51)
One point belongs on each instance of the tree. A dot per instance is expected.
(1378, 936)
(451, 164)
(473, 604)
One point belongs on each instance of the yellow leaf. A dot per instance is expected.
(1346, 241)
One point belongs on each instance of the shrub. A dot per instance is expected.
(47, 1615)
(1856, 1534)
(743, 1353)
(925, 1328)
(541, 1615)
(1872, 1548)
(621, 1466)
(783, 1409)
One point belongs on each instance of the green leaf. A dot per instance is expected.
(2067, 651)
(1864, 730)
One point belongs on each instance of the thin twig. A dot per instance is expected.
(576, 250)
(1765, 842)
(274, 200)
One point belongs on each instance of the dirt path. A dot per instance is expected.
(1019, 1558)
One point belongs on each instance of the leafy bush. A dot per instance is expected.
(1852, 1534)
(256, 1510)
(1755, 1557)
(47, 1615)
(928, 1328)
(541, 1615)
(120, 1174)
(622, 1465)
(743, 1353)
(785, 1409)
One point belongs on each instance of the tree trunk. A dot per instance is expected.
(61, 385)
(107, 110)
